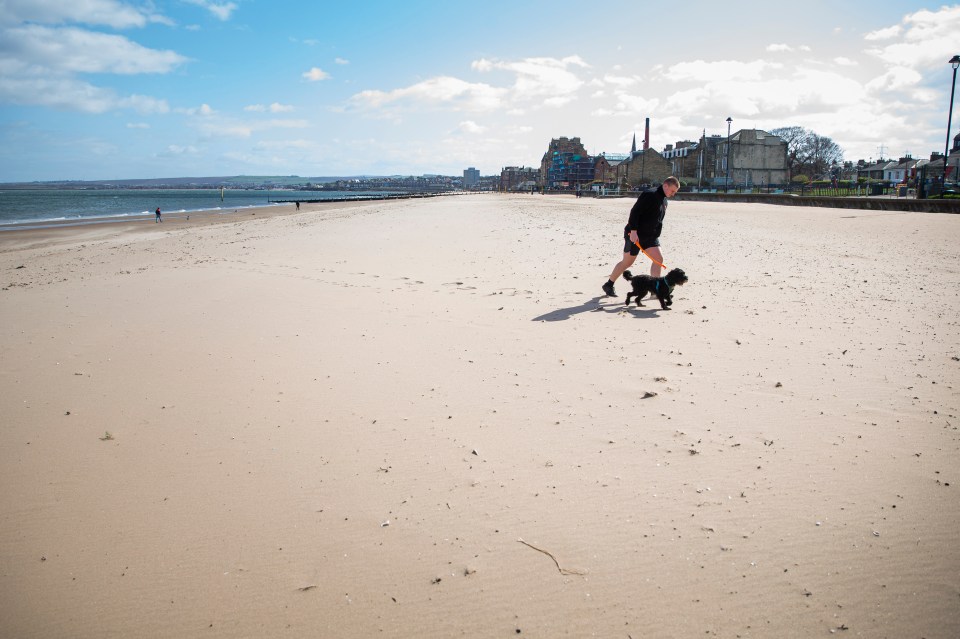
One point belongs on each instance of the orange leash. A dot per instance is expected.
(661, 264)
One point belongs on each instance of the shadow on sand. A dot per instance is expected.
(594, 305)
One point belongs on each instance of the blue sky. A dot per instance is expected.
(110, 89)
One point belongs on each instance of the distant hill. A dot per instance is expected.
(235, 181)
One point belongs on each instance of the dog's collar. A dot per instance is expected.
(665, 285)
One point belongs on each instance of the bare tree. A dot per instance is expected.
(793, 136)
(822, 153)
(808, 152)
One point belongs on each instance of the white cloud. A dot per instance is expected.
(69, 94)
(884, 34)
(926, 39)
(620, 81)
(316, 74)
(106, 12)
(221, 11)
(176, 149)
(284, 145)
(537, 82)
(74, 50)
(469, 126)
(776, 48)
(895, 79)
(284, 124)
(719, 71)
(341, 61)
(273, 108)
(204, 110)
(844, 61)
(214, 124)
(628, 104)
(143, 104)
(558, 101)
(463, 96)
(40, 64)
(538, 77)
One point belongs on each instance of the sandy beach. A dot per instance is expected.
(420, 418)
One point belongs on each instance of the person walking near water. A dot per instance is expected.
(644, 228)
(159, 219)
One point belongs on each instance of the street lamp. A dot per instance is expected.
(954, 62)
(729, 122)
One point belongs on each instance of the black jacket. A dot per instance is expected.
(646, 216)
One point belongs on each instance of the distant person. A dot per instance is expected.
(298, 206)
(159, 219)
(644, 228)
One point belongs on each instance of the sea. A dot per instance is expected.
(34, 208)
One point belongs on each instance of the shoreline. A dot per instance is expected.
(148, 216)
(12, 239)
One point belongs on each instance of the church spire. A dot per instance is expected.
(633, 149)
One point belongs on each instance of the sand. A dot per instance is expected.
(343, 422)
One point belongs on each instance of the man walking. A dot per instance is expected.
(644, 228)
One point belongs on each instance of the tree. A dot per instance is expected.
(822, 153)
(793, 136)
(807, 151)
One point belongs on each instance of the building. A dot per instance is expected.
(605, 168)
(757, 159)
(683, 159)
(706, 172)
(643, 168)
(874, 170)
(566, 164)
(518, 178)
(900, 171)
(935, 166)
(471, 178)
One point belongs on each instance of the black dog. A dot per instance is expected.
(662, 287)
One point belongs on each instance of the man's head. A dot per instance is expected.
(670, 186)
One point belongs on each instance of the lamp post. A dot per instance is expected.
(729, 122)
(954, 62)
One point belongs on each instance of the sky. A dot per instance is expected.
(116, 89)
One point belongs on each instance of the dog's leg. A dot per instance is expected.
(627, 302)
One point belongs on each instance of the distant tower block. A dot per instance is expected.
(646, 135)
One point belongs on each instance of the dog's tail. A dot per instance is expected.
(627, 275)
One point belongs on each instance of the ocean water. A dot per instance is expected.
(20, 208)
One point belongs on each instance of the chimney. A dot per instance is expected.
(646, 135)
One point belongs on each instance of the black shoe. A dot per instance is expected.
(608, 289)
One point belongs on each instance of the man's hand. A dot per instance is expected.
(634, 237)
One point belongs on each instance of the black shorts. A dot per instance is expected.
(645, 242)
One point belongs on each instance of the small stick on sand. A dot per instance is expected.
(563, 571)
